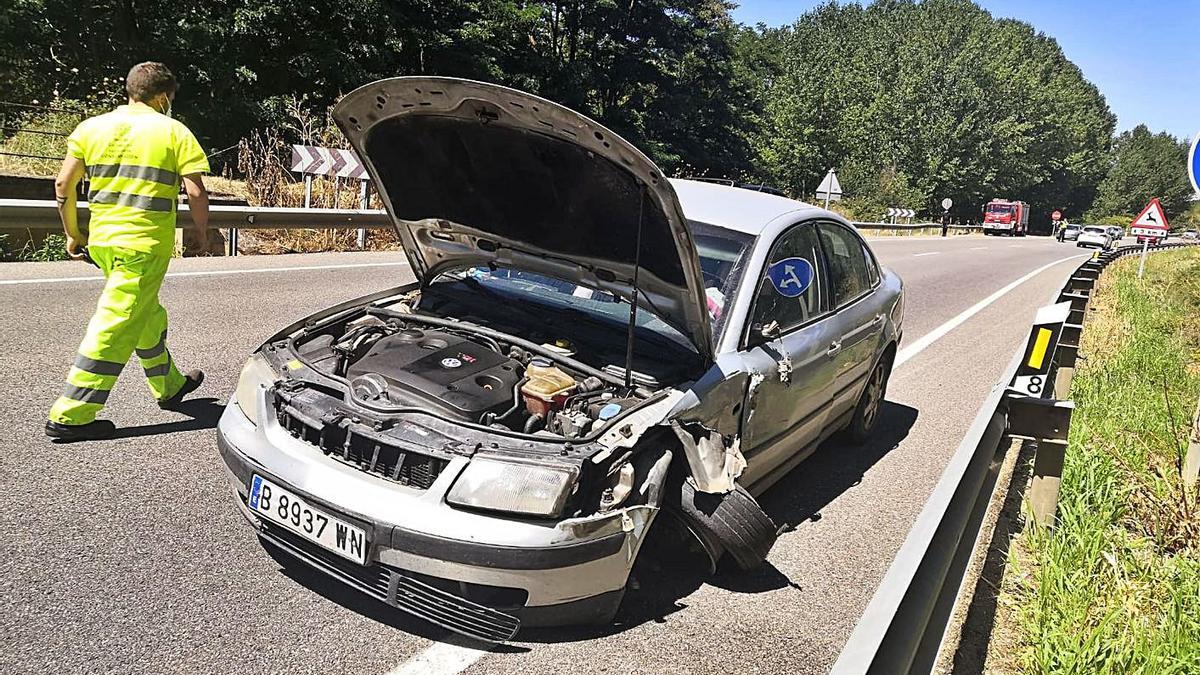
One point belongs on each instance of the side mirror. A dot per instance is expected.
(766, 333)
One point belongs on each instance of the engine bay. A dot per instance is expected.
(393, 362)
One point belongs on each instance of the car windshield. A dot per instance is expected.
(1001, 209)
(721, 255)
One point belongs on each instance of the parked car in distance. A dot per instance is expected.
(1190, 234)
(487, 447)
(1069, 232)
(1094, 236)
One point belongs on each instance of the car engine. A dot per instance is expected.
(415, 367)
(395, 365)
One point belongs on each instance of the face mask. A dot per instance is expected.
(166, 110)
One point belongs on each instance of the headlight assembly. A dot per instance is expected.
(512, 487)
(256, 375)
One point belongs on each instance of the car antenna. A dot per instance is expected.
(633, 306)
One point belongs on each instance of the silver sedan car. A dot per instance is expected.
(586, 344)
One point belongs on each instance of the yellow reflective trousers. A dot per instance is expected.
(128, 318)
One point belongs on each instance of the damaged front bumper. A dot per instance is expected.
(481, 575)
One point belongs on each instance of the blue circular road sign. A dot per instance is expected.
(1194, 163)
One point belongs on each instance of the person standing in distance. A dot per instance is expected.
(136, 157)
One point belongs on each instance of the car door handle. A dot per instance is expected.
(834, 348)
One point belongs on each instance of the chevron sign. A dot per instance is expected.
(327, 162)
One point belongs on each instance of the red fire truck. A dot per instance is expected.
(1004, 217)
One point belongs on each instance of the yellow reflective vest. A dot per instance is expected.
(135, 158)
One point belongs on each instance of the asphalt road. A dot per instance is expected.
(128, 555)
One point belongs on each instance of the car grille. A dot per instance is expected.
(337, 438)
(407, 591)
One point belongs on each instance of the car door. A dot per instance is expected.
(792, 374)
(859, 318)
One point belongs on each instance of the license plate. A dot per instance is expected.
(285, 509)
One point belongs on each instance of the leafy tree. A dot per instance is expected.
(661, 72)
(1144, 165)
(913, 102)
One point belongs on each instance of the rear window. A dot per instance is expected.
(1093, 230)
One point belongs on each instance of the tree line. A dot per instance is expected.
(910, 101)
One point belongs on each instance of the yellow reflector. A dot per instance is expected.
(1038, 356)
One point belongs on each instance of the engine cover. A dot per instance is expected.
(432, 369)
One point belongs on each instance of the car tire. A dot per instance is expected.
(731, 523)
(870, 403)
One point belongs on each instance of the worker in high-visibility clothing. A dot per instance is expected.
(135, 158)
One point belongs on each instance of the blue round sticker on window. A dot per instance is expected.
(791, 276)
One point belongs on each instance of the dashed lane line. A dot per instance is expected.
(918, 255)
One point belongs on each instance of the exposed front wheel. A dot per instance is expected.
(870, 403)
(730, 524)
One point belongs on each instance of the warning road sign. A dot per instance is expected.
(1151, 222)
(829, 189)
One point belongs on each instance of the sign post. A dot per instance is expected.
(829, 189)
(946, 204)
(1151, 223)
(313, 161)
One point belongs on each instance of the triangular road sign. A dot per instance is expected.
(1151, 222)
(830, 186)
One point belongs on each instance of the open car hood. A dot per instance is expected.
(475, 174)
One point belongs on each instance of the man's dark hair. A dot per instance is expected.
(149, 79)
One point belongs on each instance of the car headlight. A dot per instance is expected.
(513, 487)
(256, 375)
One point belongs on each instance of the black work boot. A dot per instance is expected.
(69, 433)
(192, 380)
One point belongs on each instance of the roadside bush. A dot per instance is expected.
(53, 247)
(264, 159)
(60, 117)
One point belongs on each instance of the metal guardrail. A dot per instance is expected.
(913, 226)
(20, 214)
(902, 628)
(43, 214)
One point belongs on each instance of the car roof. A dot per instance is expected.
(738, 209)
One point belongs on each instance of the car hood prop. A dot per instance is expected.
(478, 174)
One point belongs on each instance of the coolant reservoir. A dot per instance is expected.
(547, 388)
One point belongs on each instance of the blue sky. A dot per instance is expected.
(1144, 55)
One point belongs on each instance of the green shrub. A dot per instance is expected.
(53, 247)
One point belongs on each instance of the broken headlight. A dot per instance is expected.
(512, 487)
(257, 374)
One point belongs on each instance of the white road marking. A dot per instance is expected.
(940, 332)
(918, 255)
(979, 248)
(453, 655)
(210, 273)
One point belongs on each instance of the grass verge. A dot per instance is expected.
(1115, 587)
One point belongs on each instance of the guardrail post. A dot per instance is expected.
(1047, 479)
(364, 197)
(1033, 414)
(1191, 462)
